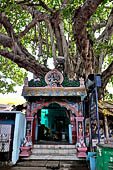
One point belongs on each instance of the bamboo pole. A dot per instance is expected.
(106, 129)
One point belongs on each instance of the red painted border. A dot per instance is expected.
(68, 106)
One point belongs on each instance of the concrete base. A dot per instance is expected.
(25, 151)
(82, 152)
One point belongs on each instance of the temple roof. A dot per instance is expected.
(54, 84)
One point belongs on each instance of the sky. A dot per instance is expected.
(110, 88)
(14, 98)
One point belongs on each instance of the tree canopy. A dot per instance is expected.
(77, 34)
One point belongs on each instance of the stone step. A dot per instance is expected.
(53, 146)
(72, 164)
(32, 163)
(31, 168)
(46, 168)
(53, 164)
(61, 151)
(52, 157)
(75, 168)
(53, 154)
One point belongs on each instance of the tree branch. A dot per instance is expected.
(7, 25)
(39, 16)
(19, 55)
(40, 40)
(107, 74)
(28, 63)
(64, 44)
(5, 40)
(17, 2)
(82, 14)
(52, 40)
(105, 36)
(108, 32)
(22, 2)
(64, 4)
(28, 27)
(99, 26)
(41, 3)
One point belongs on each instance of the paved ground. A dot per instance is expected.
(41, 168)
(48, 165)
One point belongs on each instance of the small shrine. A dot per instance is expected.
(55, 110)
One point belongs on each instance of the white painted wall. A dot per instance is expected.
(19, 135)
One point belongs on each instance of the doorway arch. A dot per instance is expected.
(70, 107)
(62, 104)
(54, 121)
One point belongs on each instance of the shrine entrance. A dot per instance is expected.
(52, 124)
(55, 110)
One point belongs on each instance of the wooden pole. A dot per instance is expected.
(106, 129)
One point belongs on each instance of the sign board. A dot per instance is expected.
(94, 117)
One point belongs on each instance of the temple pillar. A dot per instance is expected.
(73, 127)
(70, 134)
(80, 137)
(29, 128)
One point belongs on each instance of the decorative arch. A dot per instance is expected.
(62, 104)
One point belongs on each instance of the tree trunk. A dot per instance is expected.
(84, 44)
(58, 41)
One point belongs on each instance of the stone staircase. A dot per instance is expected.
(52, 157)
(53, 152)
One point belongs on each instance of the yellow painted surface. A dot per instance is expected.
(12, 100)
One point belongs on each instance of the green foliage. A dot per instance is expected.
(107, 60)
(10, 75)
(108, 96)
(20, 18)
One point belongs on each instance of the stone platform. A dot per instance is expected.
(53, 152)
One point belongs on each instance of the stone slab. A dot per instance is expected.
(32, 163)
(71, 164)
(52, 164)
(52, 157)
(58, 146)
(80, 168)
(28, 168)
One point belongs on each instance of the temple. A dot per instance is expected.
(55, 110)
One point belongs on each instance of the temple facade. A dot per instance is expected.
(55, 110)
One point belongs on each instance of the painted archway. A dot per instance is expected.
(62, 104)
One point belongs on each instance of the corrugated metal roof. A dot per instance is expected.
(14, 112)
(106, 107)
(5, 107)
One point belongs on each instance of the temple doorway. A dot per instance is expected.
(52, 124)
